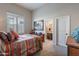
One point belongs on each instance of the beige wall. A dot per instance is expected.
(17, 10)
(50, 11)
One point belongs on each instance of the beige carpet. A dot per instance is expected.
(50, 50)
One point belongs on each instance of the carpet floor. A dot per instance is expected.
(50, 50)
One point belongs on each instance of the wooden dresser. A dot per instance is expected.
(73, 47)
(49, 36)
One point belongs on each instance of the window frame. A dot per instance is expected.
(17, 20)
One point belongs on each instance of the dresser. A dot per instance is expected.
(49, 36)
(72, 46)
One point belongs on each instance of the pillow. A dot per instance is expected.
(12, 37)
(15, 34)
(3, 36)
(9, 36)
(38, 33)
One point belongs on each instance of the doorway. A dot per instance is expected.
(49, 29)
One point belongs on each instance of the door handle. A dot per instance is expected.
(66, 33)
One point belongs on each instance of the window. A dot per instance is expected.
(20, 25)
(15, 22)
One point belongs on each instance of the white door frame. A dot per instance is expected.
(51, 29)
(55, 34)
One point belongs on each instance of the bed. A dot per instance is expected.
(26, 45)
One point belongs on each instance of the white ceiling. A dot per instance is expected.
(31, 6)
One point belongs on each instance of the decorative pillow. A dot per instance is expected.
(3, 36)
(12, 37)
(9, 36)
(38, 33)
(15, 34)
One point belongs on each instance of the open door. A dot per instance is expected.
(49, 29)
(63, 30)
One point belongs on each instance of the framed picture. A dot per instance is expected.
(39, 25)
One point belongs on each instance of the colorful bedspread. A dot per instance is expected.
(25, 45)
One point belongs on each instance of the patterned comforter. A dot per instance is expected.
(25, 45)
